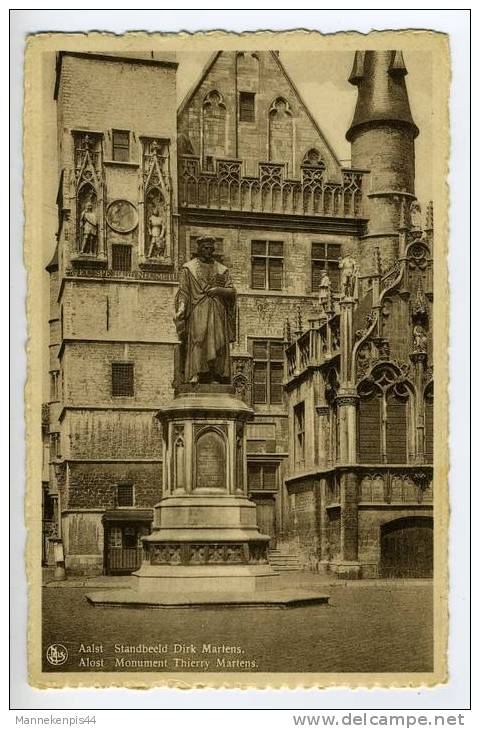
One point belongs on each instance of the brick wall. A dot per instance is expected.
(302, 526)
(101, 94)
(87, 370)
(93, 485)
(112, 434)
(297, 251)
(127, 310)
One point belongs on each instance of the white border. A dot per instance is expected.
(452, 696)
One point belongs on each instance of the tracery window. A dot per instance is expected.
(280, 133)
(214, 128)
(384, 417)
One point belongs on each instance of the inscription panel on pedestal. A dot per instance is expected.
(210, 461)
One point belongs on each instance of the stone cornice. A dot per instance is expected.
(261, 220)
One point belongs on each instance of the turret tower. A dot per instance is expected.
(382, 135)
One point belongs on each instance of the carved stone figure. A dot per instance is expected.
(324, 291)
(205, 316)
(156, 234)
(419, 339)
(416, 215)
(89, 229)
(348, 279)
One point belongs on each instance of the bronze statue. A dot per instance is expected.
(205, 317)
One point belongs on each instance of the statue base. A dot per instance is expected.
(205, 543)
(205, 546)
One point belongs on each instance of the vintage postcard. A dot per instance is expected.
(238, 303)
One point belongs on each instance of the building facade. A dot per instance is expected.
(332, 269)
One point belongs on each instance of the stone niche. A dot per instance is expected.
(210, 459)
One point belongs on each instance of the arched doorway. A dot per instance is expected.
(406, 547)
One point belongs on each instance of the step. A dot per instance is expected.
(278, 568)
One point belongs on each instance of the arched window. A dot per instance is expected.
(396, 401)
(370, 426)
(280, 133)
(214, 128)
(429, 423)
(313, 158)
(247, 71)
(383, 418)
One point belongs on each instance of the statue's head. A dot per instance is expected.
(206, 248)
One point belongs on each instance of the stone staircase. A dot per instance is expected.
(283, 560)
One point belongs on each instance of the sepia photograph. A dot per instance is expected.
(238, 472)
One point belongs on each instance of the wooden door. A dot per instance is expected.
(123, 553)
(266, 518)
(407, 548)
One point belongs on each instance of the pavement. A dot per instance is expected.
(367, 626)
(286, 580)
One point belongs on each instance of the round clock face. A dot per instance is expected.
(122, 216)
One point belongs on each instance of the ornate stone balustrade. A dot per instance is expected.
(396, 486)
(312, 348)
(226, 188)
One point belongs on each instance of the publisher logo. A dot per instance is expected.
(57, 654)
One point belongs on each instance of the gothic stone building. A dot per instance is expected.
(337, 367)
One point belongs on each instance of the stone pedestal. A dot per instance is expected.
(205, 547)
(205, 535)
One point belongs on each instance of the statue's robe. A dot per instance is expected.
(205, 324)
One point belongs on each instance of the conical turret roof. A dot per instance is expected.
(382, 92)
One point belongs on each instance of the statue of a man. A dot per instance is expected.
(348, 279)
(205, 316)
(324, 290)
(88, 227)
(156, 235)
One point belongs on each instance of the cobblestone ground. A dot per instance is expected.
(367, 627)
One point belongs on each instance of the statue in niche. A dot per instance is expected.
(156, 234)
(415, 215)
(420, 338)
(324, 291)
(89, 229)
(205, 316)
(348, 275)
